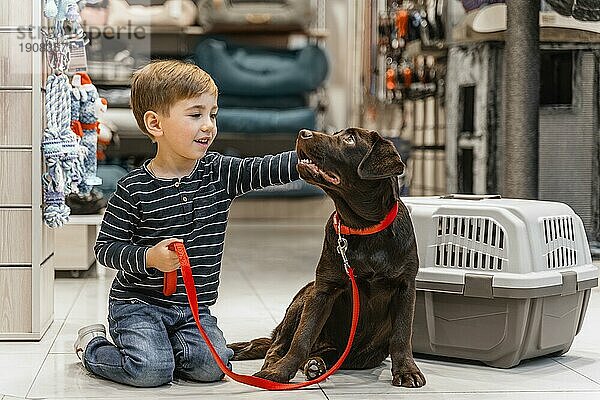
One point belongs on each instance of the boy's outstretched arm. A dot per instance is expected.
(241, 175)
(113, 247)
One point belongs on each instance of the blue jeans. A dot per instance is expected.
(154, 344)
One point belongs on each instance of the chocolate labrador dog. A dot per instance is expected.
(359, 170)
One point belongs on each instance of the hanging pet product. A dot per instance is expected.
(61, 151)
(86, 105)
(60, 146)
(106, 132)
(61, 11)
(583, 10)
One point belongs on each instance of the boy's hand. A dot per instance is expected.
(160, 257)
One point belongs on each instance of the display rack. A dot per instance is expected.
(26, 244)
(402, 68)
(180, 42)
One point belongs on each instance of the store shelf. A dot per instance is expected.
(198, 30)
(415, 48)
(26, 262)
(167, 30)
(119, 82)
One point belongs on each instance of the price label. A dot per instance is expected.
(78, 62)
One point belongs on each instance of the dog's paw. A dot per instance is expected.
(314, 368)
(273, 375)
(412, 378)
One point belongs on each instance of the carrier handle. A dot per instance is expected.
(459, 196)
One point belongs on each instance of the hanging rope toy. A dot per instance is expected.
(56, 212)
(61, 151)
(60, 146)
(86, 105)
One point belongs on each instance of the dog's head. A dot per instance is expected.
(346, 160)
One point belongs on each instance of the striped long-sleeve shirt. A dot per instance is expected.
(146, 209)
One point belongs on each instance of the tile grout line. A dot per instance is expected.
(323, 390)
(243, 273)
(85, 283)
(257, 294)
(425, 392)
(43, 361)
(255, 291)
(56, 337)
(577, 372)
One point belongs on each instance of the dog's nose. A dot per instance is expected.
(305, 134)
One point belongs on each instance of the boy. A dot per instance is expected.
(182, 194)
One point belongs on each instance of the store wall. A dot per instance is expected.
(568, 140)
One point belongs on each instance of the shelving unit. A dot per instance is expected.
(402, 74)
(180, 42)
(83, 230)
(26, 244)
(568, 135)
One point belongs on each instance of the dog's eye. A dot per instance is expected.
(349, 139)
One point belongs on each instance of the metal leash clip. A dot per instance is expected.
(342, 247)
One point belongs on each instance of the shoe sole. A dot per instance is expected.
(91, 328)
(84, 331)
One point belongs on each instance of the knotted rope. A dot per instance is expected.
(61, 151)
(60, 146)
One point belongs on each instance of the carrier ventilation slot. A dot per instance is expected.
(559, 241)
(470, 242)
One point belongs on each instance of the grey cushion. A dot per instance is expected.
(255, 71)
(241, 120)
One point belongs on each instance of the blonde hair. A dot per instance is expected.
(158, 85)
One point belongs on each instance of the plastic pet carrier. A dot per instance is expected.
(500, 280)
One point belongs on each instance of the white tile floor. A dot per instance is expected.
(264, 266)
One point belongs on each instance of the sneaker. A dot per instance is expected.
(85, 335)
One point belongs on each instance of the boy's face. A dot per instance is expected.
(191, 126)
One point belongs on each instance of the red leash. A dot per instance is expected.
(171, 280)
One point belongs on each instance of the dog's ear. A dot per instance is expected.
(382, 161)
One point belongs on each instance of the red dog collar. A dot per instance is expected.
(345, 230)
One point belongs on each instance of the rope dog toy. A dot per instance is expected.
(60, 146)
(61, 152)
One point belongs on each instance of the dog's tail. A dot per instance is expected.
(252, 350)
